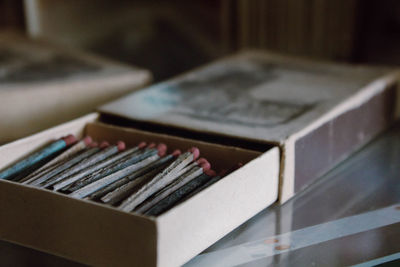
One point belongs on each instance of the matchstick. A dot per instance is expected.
(175, 197)
(117, 166)
(106, 152)
(159, 181)
(107, 163)
(126, 190)
(37, 157)
(103, 182)
(70, 152)
(202, 165)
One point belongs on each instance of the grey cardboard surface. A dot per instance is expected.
(253, 95)
(275, 99)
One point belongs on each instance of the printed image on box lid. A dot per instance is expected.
(253, 95)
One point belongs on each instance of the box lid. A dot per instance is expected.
(253, 95)
(27, 64)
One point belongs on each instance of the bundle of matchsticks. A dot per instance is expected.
(143, 179)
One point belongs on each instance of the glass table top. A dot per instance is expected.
(351, 216)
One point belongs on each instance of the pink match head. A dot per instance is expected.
(162, 149)
(142, 145)
(121, 145)
(69, 139)
(176, 153)
(87, 140)
(104, 144)
(93, 144)
(195, 151)
(151, 145)
(205, 165)
(202, 160)
(210, 173)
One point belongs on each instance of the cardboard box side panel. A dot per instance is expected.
(219, 156)
(16, 150)
(363, 95)
(320, 150)
(78, 230)
(195, 224)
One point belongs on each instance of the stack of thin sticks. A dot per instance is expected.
(143, 179)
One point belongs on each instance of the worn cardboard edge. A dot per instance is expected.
(378, 86)
(202, 222)
(286, 175)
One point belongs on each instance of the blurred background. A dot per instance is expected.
(151, 41)
(173, 36)
(169, 37)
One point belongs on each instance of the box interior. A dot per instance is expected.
(198, 222)
(221, 157)
(213, 212)
(222, 139)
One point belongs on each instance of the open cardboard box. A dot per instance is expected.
(96, 234)
(294, 141)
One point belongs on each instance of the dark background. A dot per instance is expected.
(169, 37)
